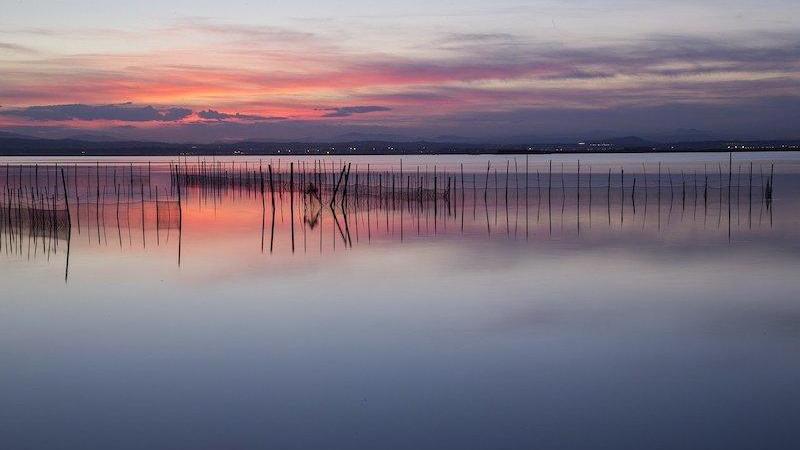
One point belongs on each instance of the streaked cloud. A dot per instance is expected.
(7, 47)
(427, 76)
(221, 116)
(346, 111)
(124, 112)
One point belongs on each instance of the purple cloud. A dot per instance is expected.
(124, 112)
(221, 116)
(346, 111)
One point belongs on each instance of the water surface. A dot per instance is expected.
(536, 309)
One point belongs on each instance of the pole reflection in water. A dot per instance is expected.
(390, 295)
(39, 209)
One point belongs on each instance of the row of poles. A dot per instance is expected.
(28, 202)
(45, 199)
(319, 178)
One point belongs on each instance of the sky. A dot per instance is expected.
(506, 70)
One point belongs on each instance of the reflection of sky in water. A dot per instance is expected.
(633, 335)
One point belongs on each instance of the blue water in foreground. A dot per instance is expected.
(647, 320)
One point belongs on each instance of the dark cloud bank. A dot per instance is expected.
(125, 112)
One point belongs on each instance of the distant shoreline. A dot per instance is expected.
(13, 146)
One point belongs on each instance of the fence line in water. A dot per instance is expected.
(47, 202)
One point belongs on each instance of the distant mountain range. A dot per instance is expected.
(129, 133)
(97, 145)
(9, 135)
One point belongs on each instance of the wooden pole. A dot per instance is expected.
(66, 198)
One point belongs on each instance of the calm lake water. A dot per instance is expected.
(176, 308)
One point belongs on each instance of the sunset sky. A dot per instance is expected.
(202, 71)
